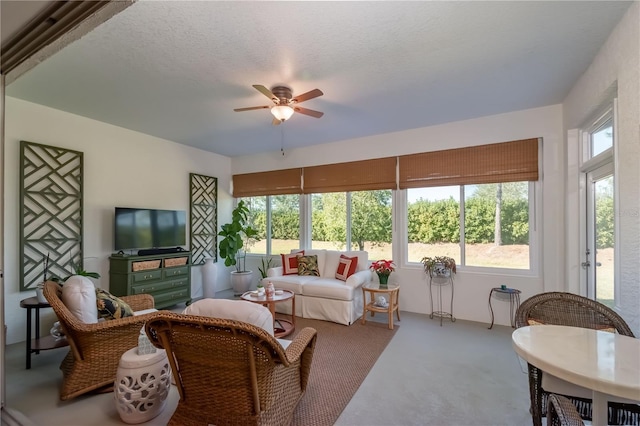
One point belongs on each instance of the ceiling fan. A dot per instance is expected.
(284, 103)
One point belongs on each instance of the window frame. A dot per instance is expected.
(534, 246)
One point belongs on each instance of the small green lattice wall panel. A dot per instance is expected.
(203, 218)
(50, 212)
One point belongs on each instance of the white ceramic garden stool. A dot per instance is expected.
(142, 385)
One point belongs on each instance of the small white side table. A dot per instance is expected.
(142, 385)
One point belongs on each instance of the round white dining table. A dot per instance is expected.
(605, 362)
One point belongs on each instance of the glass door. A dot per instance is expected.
(600, 248)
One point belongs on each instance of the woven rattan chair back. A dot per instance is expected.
(558, 308)
(561, 412)
(569, 309)
(231, 372)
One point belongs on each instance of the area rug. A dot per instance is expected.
(342, 359)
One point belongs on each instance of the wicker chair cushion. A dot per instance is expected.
(111, 307)
(239, 310)
(79, 296)
(608, 329)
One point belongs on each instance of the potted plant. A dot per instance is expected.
(439, 266)
(236, 235)
(383, 268)
(265, 264)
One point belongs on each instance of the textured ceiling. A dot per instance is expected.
(177, 69)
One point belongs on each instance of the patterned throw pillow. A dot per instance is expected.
(290, 262)
(346, 267)
(308, 265)
(110, 307)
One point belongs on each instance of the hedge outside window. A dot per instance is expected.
(496, 224)
(365, 217)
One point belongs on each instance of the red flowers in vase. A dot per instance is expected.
(383, 268)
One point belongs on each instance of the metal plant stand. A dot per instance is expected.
(440, 281)
(514, 302)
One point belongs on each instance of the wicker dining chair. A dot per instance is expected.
(562, 412)
(559, 308)
(95, 349)
(230, 372)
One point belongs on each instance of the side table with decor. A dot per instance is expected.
(38, 343)
(375, 302)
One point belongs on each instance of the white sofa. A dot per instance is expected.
(325, 297)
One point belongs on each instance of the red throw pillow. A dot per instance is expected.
(346, 267)
(290, 263)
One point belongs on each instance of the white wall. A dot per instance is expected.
(618, 62)
(121, 168)
(471, 289)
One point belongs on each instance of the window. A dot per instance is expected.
(495, 219)
(371, 223)
(277, 219)
(601, 138)
(496, 225)
(285, 223)
(329, 220)
(433, 222)
(364, 217)
(258, 220)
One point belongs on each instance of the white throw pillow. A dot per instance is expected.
(79, 296)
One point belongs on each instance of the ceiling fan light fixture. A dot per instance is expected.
(282, 112)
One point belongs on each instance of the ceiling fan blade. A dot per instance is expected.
(276, 122)
(260, 88)
(305, 111)
(306, 96)
(251, 108)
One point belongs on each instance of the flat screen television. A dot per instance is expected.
(149, 228)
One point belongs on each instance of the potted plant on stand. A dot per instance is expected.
(235, 236)
(439, 266)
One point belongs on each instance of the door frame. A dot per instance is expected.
(608, 158)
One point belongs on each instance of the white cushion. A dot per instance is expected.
(328, 288)
(239, 310)
(79, 296)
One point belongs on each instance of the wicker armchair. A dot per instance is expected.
(231, 372)
(561, 412)
(569, 309)
(95, 349)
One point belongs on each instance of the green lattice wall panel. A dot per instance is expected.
(50, 211)
(203, 218)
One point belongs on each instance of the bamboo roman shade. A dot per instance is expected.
(366, 175)
(276, 182)
(500, 162)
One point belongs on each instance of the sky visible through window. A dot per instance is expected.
(438, 193)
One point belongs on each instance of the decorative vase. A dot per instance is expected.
(40, 294)
(384, 279)
(440, 270)
(208, 271)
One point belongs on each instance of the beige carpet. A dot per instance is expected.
(341, 361)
